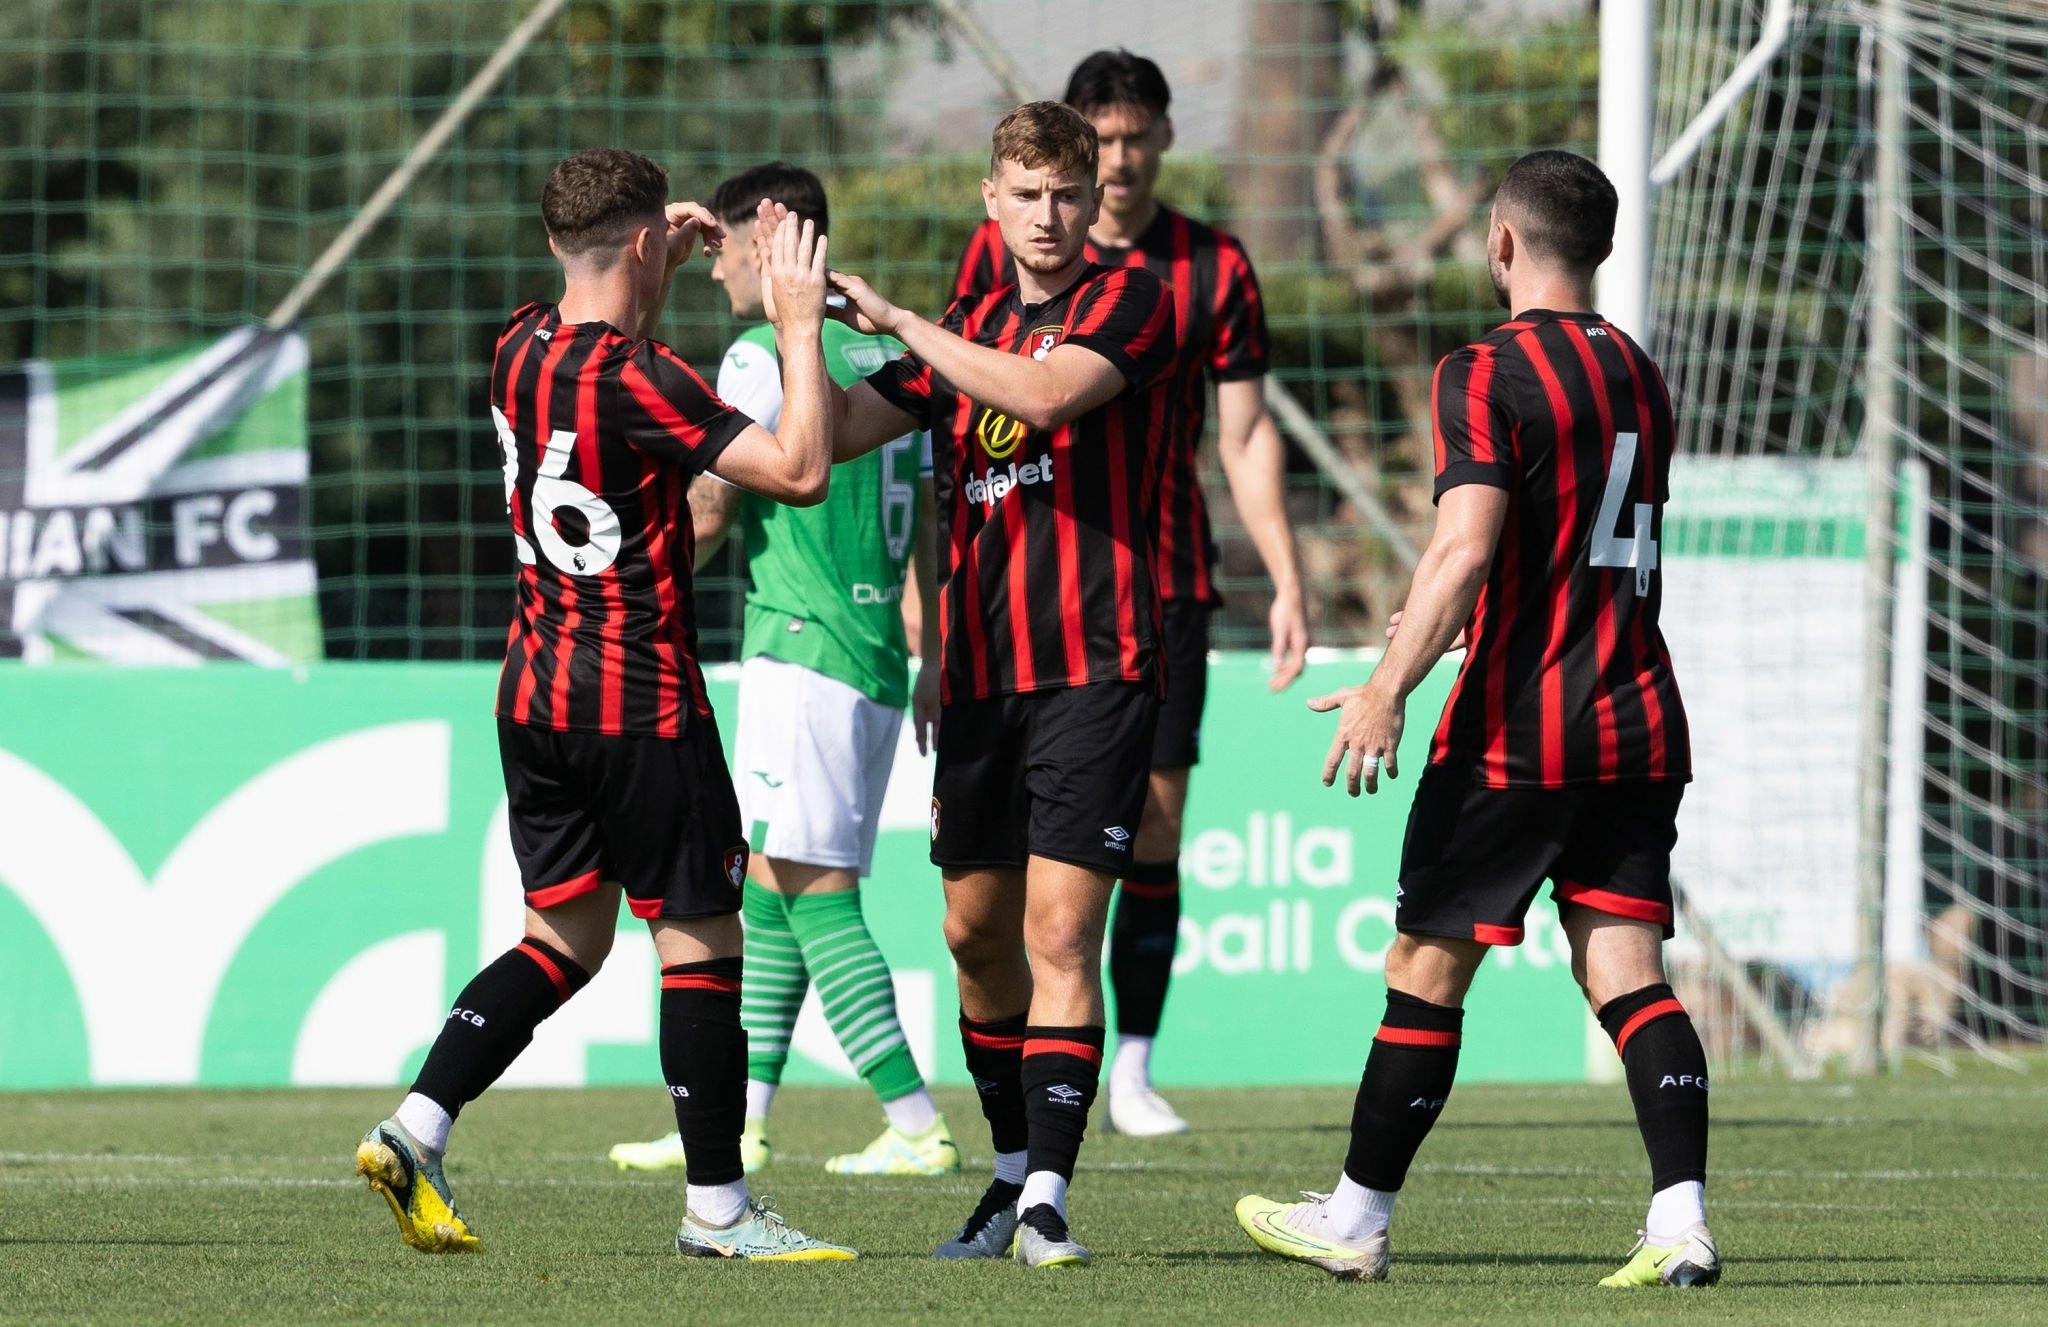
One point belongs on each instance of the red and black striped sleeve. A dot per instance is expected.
(906, 381)
(982, 267)
(670, 413)
(1241, 349)
(1126, 316)
(1475, 421)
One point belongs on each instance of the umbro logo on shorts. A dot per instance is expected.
(1117, 837)
(1065, 1095)
(736, 864)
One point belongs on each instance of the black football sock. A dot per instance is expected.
(995, 1060)
(1062, 1066)
(1667, 1079)
(493, 1020)
(704, 1061)
(1141, 944)
(1408, 1076)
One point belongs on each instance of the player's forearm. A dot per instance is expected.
(1440, 602)
(1025, 389)
(805, 427)
(713, 503)
(1255, 467)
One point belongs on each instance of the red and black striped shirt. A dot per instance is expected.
(1567, 680)
(1044, 545)
(1222, 328)
(600, 433)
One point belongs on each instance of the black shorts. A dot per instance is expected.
(656, 814)
(1475, 856)
(1057, 774)
(1177, 744)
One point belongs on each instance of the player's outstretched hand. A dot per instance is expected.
(1289, 623)
(866, 310)
(924, 709)
(1394, 625)
(1368, 730)
(796, 272)
(767, 216)
(687, 222)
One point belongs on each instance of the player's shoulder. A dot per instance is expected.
(760, 337)
(1205, 238)
(1133, 280)
(656, 362)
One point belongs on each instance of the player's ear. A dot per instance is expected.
(988, 198)
(1095, 205)
(555, 249)
(1166, 132)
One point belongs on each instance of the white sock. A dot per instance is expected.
(1043, 1186)
(1010, 1166)
(425, 1121)
(1354, 1211)
(718, 1204)
(911, 1115)
(1131, 1071)
(1673, 1211)
(760, 1096)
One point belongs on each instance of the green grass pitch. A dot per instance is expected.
(1913, 1199)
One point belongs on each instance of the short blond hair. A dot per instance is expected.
(1045, 135)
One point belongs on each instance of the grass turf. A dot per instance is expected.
(1910, 1199)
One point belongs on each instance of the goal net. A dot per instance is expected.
(1763, 277)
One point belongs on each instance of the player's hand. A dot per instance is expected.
(924, 708)
(865, 310)
(1368, 730)
(687, 223)
(796, 273)
(767, 216)
(1289, 622)
(1394, 625)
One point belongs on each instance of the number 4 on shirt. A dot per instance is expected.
(1638, 550)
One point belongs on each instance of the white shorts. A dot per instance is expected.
(810, 760)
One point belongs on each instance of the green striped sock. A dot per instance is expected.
(774, 987)
(853, 985)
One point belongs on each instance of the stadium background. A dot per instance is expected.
(168, 172)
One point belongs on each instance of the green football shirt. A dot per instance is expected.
(826, 582)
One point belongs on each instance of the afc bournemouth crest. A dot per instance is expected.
(1044, 339)
(736, 864)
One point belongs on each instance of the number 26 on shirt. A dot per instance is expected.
(1638, 550)
(552, 492)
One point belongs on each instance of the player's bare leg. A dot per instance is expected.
(1142, 940)
(1407, 1079)
(1619, 962)
(492, 1021)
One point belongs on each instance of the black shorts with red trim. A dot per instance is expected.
(1474, 856)
(1058, 774)
(656, 814)
(1177, 742)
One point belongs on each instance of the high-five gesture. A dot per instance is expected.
(794, 263)
(686, 223)
(866, 310)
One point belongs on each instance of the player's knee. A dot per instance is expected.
(976, 945)
(588, 951)
(1064, 942)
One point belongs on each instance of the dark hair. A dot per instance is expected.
(596, 197)
(1117, 78)
(1563, 207)
(1045, 135)
(803, 193)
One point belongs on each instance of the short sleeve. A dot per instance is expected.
(1241, 348)
(905, 383)
(924, 454)
(1126, 316)
(1474, 422)
(750, 381)
(983, 266)
(669, 413)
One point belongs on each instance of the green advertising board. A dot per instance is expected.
(240, 876)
